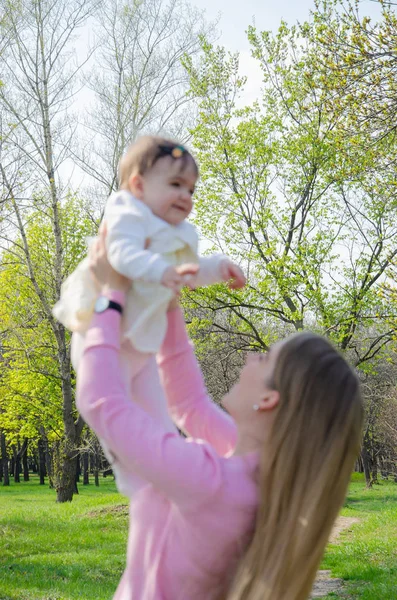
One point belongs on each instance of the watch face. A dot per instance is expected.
(101, 304)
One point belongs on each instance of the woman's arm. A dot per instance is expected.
(188, 401)
(186, 471)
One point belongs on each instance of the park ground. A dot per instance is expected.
(76, 551)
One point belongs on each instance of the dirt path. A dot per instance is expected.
(324, 583)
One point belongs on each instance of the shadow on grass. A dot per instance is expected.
(76, 576)
(372, 501)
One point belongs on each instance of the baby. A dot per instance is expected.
(147, 238)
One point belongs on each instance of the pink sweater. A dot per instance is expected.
(189, 523)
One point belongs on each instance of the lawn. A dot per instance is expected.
(50, 551)
(366, 556)
(76, 551)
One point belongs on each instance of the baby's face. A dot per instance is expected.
(167, 189)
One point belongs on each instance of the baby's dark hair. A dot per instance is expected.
(143, 154)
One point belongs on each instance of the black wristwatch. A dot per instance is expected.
(102, 303)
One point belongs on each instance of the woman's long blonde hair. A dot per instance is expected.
(304, 472)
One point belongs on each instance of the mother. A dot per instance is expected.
(243, 508)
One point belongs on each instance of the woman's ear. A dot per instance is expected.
(269, 401)
(135, 185)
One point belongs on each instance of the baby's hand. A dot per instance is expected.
(232, 273)
(175, 278)
(172, 280)
(188, 271)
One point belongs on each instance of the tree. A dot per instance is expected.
(221, 358)
(138, 81)
(4, 459)
(39, 73)
(361, 57)
(314, 230)
(32, 402)
(302, 200)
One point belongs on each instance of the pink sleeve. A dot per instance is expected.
(187, 472)
(183, 383)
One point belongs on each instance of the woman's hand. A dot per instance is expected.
(101, 270)
(187, 271)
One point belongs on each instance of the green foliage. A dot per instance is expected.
(291, 197)
(360, 56)
(30, 384)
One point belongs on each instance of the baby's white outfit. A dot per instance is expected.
(140, 246)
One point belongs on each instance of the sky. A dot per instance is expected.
(234, 17)
(237, 15)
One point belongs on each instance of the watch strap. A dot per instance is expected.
(103, 303)
(115, 306)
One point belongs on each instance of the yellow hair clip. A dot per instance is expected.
(177, 152)
(174, 151)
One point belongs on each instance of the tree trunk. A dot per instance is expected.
(78, 468)
(86, 478)
(17, 468)
(25, 464)
(41, 452)
(374, 471)
(18, 454)
(64, 471)
(367, 466)
(359, 468)
(4, 459)
(17, 463)
(48, 463)
(35, 463)
(96, 462)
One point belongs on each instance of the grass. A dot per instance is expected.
(76, 551)
(50, 551)
(366, 556)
